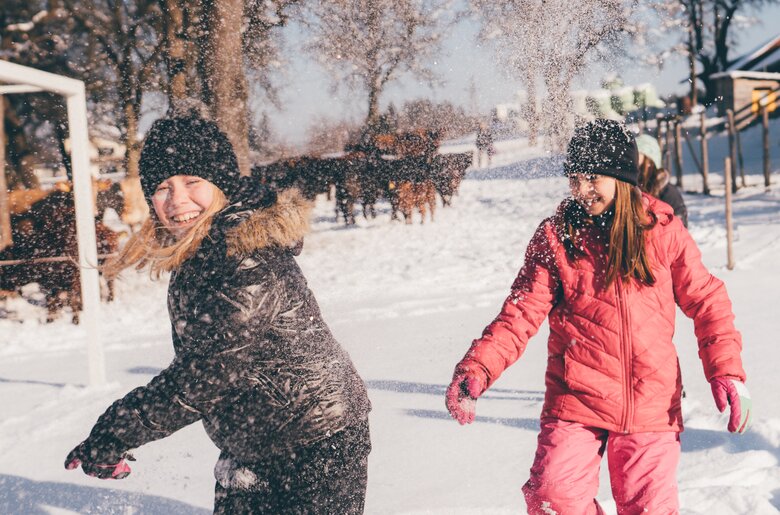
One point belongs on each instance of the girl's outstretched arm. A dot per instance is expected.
(530, 300)
(129, 423)
(200, 381)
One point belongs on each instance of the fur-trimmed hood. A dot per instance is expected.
(283, 224)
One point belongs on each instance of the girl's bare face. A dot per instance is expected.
(181, 200)
(595, 193)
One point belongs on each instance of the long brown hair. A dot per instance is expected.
(627, 254)
(156, 247)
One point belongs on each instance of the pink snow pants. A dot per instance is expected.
(565, 473)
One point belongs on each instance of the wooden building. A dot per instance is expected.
(749, 82)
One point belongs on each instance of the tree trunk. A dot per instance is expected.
(175, 57)
(692, 67)
(373, 108)
(60, 130)
(132, 146)
(530, 110)
(374, 79)
(192, 26)
(18, 173)
(722, 38)
(557, 112)
(225, 74)
(129, 95)
(709, 66)
(202, 55)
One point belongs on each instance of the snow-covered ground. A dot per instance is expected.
(405, 301)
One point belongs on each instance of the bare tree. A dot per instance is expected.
(37, 33)
(549, 42)
(125, 34)
(192, 49)
(326, 135)
(221, 51)
(443, 117)
(706, 34)
(176, 46)
(224, 84)
(369, 43)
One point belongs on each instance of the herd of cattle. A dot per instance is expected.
(408, 183)
(44, 248)
(43, 230)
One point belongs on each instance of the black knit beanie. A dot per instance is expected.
(603, 147)
(188, 145)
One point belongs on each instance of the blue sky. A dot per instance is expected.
(307, 92)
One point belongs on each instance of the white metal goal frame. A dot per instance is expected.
(15, 78)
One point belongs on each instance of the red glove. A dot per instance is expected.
(462, 394)
(102, 458)
(729, 391)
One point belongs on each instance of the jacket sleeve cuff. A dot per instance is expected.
(722, 359)
(473, 368)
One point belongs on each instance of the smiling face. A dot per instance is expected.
(595, 193)
(180, 202)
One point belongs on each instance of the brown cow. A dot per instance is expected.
(416, 195)
(346, 175)
(48, 230)
(409, 186)
(20, 201)
(447, 173)
(134, 207)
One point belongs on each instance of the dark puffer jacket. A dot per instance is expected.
(670, 194)
(254, 359)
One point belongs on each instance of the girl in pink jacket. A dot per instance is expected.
(608, 270)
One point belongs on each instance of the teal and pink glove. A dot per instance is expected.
(729, 391)
(462, 394)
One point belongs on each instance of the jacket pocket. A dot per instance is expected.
(582, 379)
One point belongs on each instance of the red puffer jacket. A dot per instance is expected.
(611, 361)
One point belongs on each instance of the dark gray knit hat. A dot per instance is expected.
(603, 147)
(188, 145)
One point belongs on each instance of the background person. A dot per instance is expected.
(484, 144)
(656, 180)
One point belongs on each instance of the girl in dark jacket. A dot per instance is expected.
(255, 362)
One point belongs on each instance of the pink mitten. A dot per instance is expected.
(461, 397)
(729, 391)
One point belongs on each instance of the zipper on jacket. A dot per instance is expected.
(625, 355)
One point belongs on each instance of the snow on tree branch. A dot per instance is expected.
(369, 43)
(551, 41)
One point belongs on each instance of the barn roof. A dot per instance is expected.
(739, 74)
(764, 58)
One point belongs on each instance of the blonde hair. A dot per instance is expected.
(627, 254)
(156, 247)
